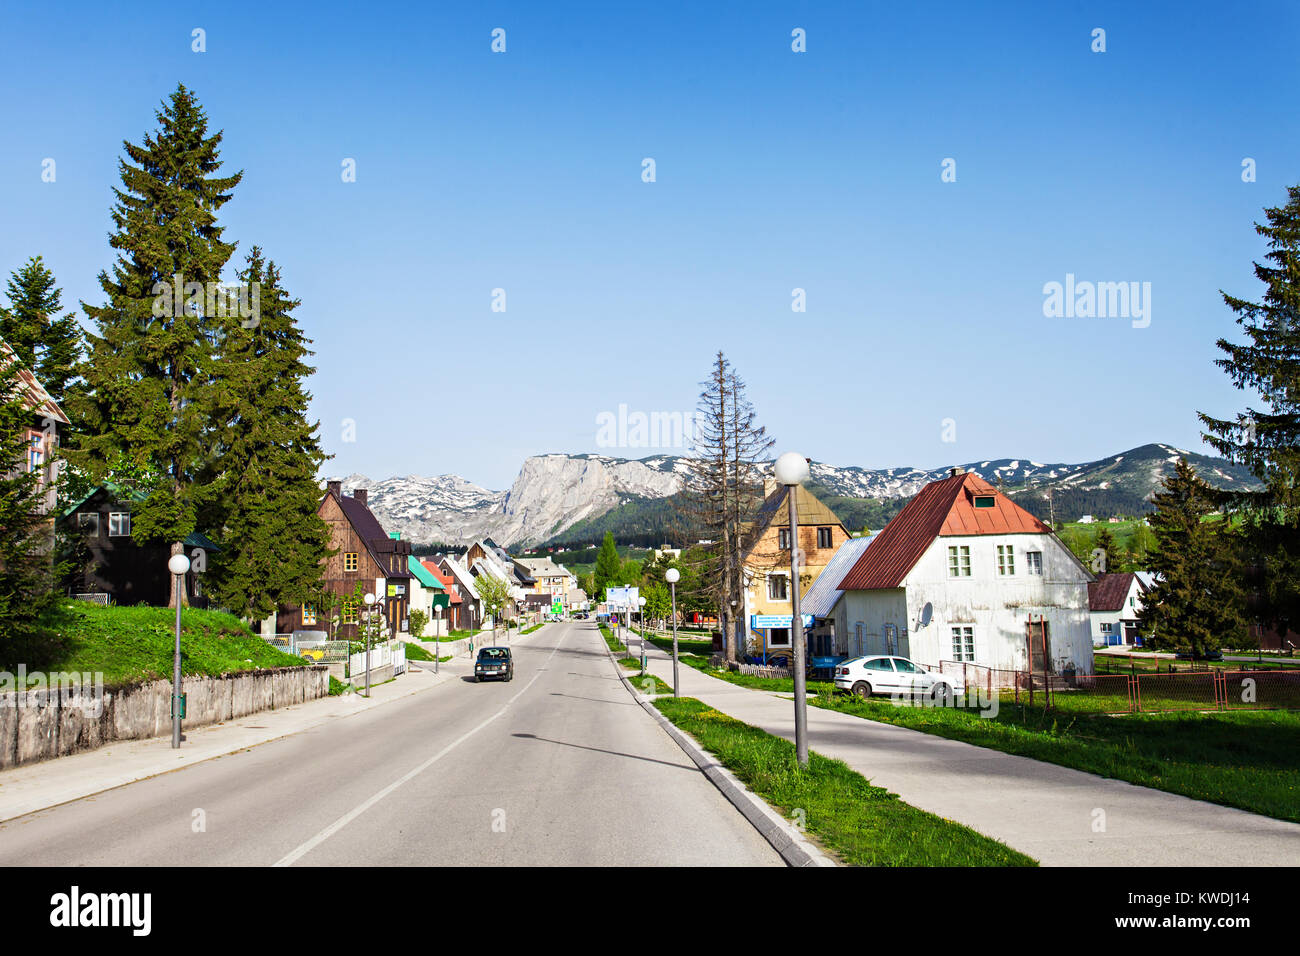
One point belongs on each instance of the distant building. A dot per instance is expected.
(1114, 601)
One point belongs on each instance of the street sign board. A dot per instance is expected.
(777, 620)
(622, 598)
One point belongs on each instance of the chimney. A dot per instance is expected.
(954, 472)
(335, 488)
(360, 495)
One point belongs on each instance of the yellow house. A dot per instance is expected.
(766, 563)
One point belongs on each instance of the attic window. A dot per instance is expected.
(984, 501)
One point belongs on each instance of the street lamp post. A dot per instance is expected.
(641, 610)
(792, 471)
(178, 565)
(370, 611)
(672, 576)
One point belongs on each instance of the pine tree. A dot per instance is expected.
(608, 566)
(1105, 543)
(149, 371)
(26, 573)
(1197, 602)
(48, 344)
(1267, 439)
(266, 495)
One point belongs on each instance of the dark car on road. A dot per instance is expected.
(494, 663)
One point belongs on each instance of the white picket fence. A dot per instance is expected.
(380, 656)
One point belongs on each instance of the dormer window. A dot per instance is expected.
(984, 501)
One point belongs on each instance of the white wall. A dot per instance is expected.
(998, 606)
(873, 610)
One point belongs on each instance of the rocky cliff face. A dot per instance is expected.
(550, 494)
(553, 492)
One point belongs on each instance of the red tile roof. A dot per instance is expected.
(941, 508)
(432, 567)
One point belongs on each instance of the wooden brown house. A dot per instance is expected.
(360, 551)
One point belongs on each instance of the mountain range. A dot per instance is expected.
(575, 498)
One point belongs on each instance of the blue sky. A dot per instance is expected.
(775, 170)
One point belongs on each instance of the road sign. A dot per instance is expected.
(777, 620)
(622, 598)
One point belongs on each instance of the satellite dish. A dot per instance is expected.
(927, 612)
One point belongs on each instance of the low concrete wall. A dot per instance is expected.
(43, 724)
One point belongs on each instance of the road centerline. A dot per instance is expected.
(302, 850)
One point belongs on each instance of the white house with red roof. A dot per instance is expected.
(959, 575)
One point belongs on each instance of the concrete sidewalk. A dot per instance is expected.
(1046, 811)
(49, 783)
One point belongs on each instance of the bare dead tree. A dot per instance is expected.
(724, 488)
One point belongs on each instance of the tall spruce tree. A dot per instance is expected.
(149, 372)
(44, 341)
(1267, 439)
(266, 493)
(26, 573)
(1197, 602)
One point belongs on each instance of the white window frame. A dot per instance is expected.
(1006, 560)
(88, 520)
(786, 586)
(1034, 563)
(963, 643)
(119, 515)
(958, 560)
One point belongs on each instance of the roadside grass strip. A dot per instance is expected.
(649, 684)
(1249, 760)
(1244, 759)
(529, 630)
(611, 641)
(861, 824)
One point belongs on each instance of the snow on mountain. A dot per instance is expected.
(553, 492)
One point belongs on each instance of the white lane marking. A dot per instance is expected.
(294, 856)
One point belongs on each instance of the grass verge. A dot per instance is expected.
(861, 824)
(1249, 760)
(650, 684)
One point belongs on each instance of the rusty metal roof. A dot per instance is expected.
(941, 508)
(1109, 591)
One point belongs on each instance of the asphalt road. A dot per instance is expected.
(557, 767)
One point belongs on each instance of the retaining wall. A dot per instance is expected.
(45, 724)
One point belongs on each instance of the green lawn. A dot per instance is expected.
(860, 824)
(1245, 759)
(684, 646)
(529, 630)
(131, 644)
(414, 652)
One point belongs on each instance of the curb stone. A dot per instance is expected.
(796, 849)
